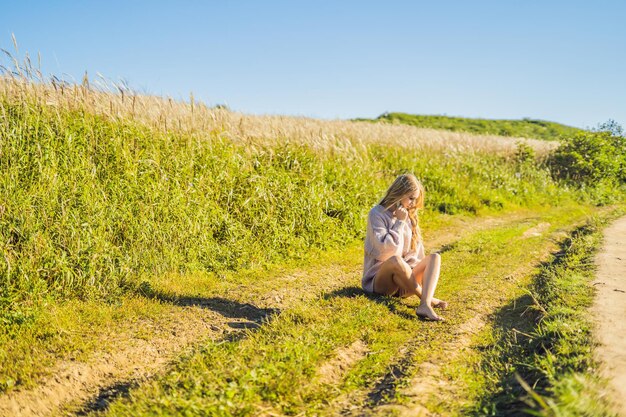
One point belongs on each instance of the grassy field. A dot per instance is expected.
(309, 326)
(166, 258)
(92, 204)
(525, 128)
(276, 368)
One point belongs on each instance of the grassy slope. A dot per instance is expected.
(526, 128)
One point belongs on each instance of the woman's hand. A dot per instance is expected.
(401, 213)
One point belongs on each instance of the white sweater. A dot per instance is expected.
(386, 236)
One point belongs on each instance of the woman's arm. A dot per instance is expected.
(386, 241)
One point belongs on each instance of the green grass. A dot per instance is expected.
(536, 357)
(274, 367)
(89, 206)
(72, 330)
(526, 128)
(108, 225)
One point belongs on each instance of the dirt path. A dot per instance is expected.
(610, 310)
(89, 385)
(134, 361)
(429, 384)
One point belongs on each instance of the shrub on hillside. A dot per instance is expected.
(524, 154)
(589, 158)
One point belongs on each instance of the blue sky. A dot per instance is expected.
(563, 61)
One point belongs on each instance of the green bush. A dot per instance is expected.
(524, 154)
(590, 158)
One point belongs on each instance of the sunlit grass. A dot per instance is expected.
(115, 206)
(274, 367)
(90, 205)
(536, 355)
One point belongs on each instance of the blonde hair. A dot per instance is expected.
(401, 187)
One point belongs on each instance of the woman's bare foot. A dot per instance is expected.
(439, 304)
(425, 312)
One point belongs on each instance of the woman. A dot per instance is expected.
(394, 262)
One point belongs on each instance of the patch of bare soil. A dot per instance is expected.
(537, 230)
(333, 371)
(609, 311)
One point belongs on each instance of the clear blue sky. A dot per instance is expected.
(563, 61)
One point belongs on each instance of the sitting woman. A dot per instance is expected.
(395, 263)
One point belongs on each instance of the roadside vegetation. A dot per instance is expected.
(118, 210)
(540, 360)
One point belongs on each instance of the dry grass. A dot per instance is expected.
(118, 102)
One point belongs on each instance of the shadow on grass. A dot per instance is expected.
(254, 318)
(224, 307)
(392, 303)
(385, 390)
(446, 248)
(106, 396)
(518, 341)
(514, 325)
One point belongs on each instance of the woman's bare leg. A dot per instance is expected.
(418, 276)
(431, 266)
(394, 274)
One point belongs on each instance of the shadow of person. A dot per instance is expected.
(225, 307)
(392, 303)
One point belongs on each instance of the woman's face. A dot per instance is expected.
(409, 201)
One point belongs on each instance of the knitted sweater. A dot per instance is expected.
(386, 236)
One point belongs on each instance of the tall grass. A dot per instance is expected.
(99, 189)
(117, 102)
(88, 202)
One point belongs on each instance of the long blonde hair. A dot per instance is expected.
(401, 187)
